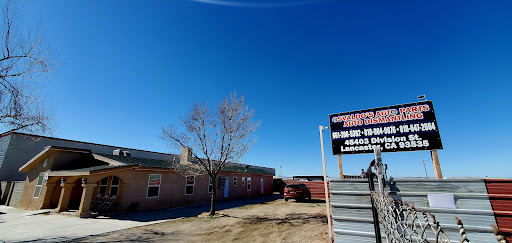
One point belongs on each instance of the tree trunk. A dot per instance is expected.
(214, 196)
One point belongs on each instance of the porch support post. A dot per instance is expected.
(47, 195)
(85, 203)
(65, 195)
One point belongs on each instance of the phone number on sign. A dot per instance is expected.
(376, 131)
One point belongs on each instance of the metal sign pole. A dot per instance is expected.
(327, 203)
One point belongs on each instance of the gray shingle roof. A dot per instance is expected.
(167, 164)
(229, 168)
(139, 161)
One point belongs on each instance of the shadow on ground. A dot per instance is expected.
(188, 211)
(291, 219)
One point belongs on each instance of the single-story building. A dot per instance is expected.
(82, 182)
(17, 148)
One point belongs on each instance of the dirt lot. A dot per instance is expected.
(275, 221)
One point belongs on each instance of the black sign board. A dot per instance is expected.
(406, 127)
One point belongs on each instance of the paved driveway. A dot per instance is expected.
(18, 225)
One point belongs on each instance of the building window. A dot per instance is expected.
(189, 187)
(234, 181)
(114, 186)
(210, 186)
(39, 186)
(243, 181)
(103, 187)
(262, 186)
(222, 182)
(248, 183)
(154, 185)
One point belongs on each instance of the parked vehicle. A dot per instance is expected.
(299, 192)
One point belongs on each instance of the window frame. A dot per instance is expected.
(115, 186)
(234, 181)
(192, 185)
(103, 185)
(40, 178)
(249, 183)
(243, 181)
(222, 182)
(159, 184)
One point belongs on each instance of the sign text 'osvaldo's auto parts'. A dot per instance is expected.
(406, 127)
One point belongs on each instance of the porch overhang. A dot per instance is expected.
(92, 170)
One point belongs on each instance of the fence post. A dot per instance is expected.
(379, 168)
(376, 225)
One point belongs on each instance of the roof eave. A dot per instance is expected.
(31, 163)
(107, 160)
(27, 166)
(67, 173)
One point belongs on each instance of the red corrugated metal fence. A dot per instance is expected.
(316, 188)
(500, 195)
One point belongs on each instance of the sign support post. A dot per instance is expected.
(340, 166)
(437, 165)
(327, 203)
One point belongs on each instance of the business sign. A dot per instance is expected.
(406, 127)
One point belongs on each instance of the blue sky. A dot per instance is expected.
(126, 68)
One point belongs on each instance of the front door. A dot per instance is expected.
(226, 187)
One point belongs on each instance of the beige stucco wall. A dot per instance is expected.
(28, 201)
(134, 185)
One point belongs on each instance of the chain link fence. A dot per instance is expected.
(402, 222)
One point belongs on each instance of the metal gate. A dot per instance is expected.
(416, 221)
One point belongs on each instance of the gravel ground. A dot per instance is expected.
(275, 221)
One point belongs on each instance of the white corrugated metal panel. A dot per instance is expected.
(471, 202)
(353, 220)
(351, 210)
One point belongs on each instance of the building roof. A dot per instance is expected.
(233, 168)
(138, 161)
(69, 140)
(167, 164)
(117, 161)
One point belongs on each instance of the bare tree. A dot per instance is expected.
(216, 138)
(24, 62)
